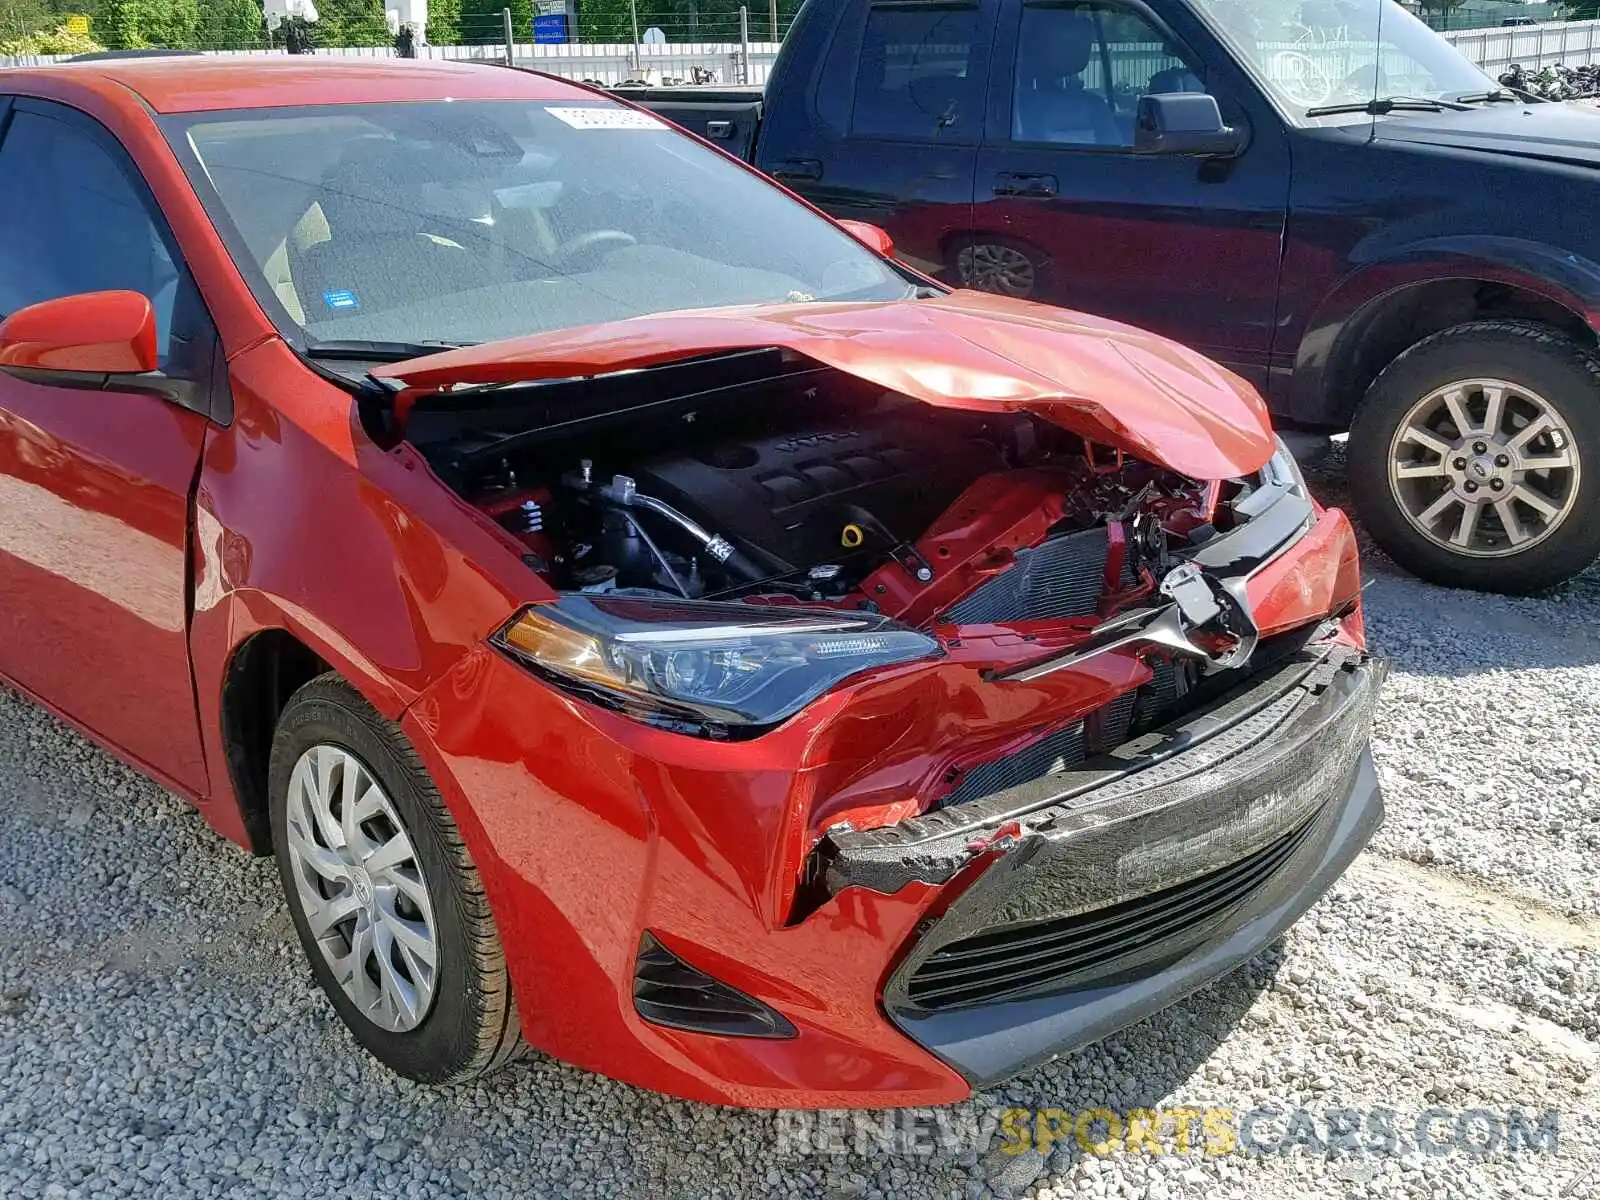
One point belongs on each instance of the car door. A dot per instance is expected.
(1067, 212)
(94, 484)
(890, 130)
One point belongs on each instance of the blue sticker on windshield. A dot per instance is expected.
(340, 300)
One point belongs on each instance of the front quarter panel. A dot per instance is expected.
(303, 524)
(586, 841)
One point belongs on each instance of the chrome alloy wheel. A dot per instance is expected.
(989, 267)
(361, 888)
(1484, 467)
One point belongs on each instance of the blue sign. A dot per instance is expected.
(549, 29)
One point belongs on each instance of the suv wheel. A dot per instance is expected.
(387, 902)
(1001, 267)
(1475, 457)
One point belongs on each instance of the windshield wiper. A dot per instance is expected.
(1498, 96)
(358, 350)
(1388, 104)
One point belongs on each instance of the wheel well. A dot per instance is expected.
(264, 673)
(1394, 322)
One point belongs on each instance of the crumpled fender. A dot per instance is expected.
(1104, 381)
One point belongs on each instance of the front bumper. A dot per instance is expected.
(1114, 902)
(552, 806)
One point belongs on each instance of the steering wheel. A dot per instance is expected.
(594, 245)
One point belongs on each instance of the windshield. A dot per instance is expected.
(471, 221)
(1315, 53)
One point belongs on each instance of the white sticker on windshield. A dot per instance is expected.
(605, 118)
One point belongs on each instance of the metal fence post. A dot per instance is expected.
(772, 12)
(505, 22)
(744, 44)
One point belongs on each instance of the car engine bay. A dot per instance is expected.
(809, 487)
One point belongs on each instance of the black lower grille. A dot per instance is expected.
(1076, 951)
(1062, 577)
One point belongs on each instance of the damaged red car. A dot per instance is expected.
(646, 622)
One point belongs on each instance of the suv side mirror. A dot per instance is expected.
(1187, 123)
(871, 236)
(90, 334)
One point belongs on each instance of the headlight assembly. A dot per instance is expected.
(740, 666)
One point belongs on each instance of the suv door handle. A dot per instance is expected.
(797, 168)
(1024, 183)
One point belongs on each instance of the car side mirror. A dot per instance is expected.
(871, 236)
(90, 334)
(1184, 123)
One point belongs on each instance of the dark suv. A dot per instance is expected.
(1326, 197)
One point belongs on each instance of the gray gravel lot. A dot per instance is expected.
(160, 1036)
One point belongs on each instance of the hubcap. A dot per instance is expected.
(361, 888)
(991, 268)
(1484, 467)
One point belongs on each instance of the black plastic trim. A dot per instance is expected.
(989, 1043)
(668, 991)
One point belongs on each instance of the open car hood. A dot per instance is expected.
(1104, 381)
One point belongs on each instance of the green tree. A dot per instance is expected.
(481, 23)
(122, 23)
(133, 24)
(174, 24)
(1437, 12)
(20, 18)
(1580, 10)
(444, 22)
(231, 25)
(49, 41)
(682, 20)
(351, 23)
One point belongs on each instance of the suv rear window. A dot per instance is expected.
(918, 71)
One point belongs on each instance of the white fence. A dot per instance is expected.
(1574, 43)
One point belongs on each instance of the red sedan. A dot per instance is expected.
(645, 621)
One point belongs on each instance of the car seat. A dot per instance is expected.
(1052, 103)
(387, 243)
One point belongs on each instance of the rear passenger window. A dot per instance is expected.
(1081, 69)
(72, 221)
(918, 73)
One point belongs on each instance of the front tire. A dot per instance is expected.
(1474, 458)
(389, 907)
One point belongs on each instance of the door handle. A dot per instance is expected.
(721, 130)
(797, 168)
(1024, 183)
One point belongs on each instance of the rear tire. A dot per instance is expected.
(1474, 458)
(360, 832)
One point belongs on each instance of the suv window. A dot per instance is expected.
(72, 220)
(918, 72)
(1081, 69)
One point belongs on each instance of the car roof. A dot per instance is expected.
(187, 84)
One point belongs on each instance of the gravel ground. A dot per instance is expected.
(159, 1035)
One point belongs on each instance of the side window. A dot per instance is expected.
(1081, 69)
(71, 220)
(918, 72)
